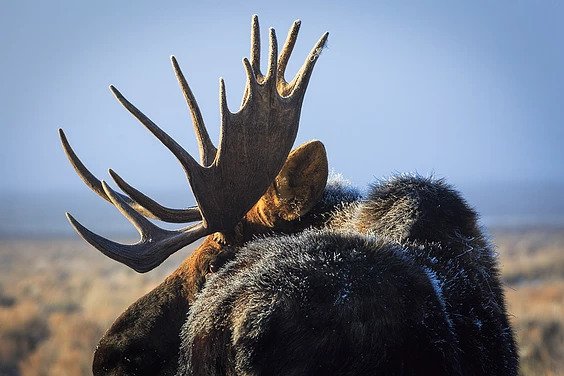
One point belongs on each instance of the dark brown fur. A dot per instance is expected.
(402, 282)
(319, 280)
(145, 339)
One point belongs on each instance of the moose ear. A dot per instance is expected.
(298, 186)
(145, 338)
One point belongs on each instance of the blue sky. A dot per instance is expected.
(472, 92)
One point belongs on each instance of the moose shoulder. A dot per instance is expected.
(296, 274)
(392, 283)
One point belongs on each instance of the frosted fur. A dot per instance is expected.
(386, 283)
(437, 286)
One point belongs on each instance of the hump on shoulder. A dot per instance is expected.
(410, 207)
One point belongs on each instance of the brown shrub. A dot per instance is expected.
(538, 322)
(22, 328)
(57, 297)
(68, 351)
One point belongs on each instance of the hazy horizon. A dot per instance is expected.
(37, 215)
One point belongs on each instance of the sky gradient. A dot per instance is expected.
(472, 92)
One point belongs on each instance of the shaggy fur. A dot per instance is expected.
(400, 283)
(127, 348)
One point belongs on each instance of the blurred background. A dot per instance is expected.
(471, 92)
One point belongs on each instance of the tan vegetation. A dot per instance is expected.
(58, 296)
(533, 269)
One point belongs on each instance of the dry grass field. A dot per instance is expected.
(57, 296)
(533, 270)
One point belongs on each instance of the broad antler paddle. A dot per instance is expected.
(253, 146)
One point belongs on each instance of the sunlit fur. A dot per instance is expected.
(319, 279)
(400, 281)
(145, 339)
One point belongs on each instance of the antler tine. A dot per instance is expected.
(255, 46)
(145, 228)
(224, 112)
(299, 84)
(155, 246)
(148, 208)
(255, 57)
(185, 159)
(287, 50)
(205, 145)
(87, 177)
(272, 57)
(191, 214)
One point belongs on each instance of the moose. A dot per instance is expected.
(298, 272)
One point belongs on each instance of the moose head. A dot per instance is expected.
(250, 185)
(297, 275)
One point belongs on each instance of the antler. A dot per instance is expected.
(253, 146)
